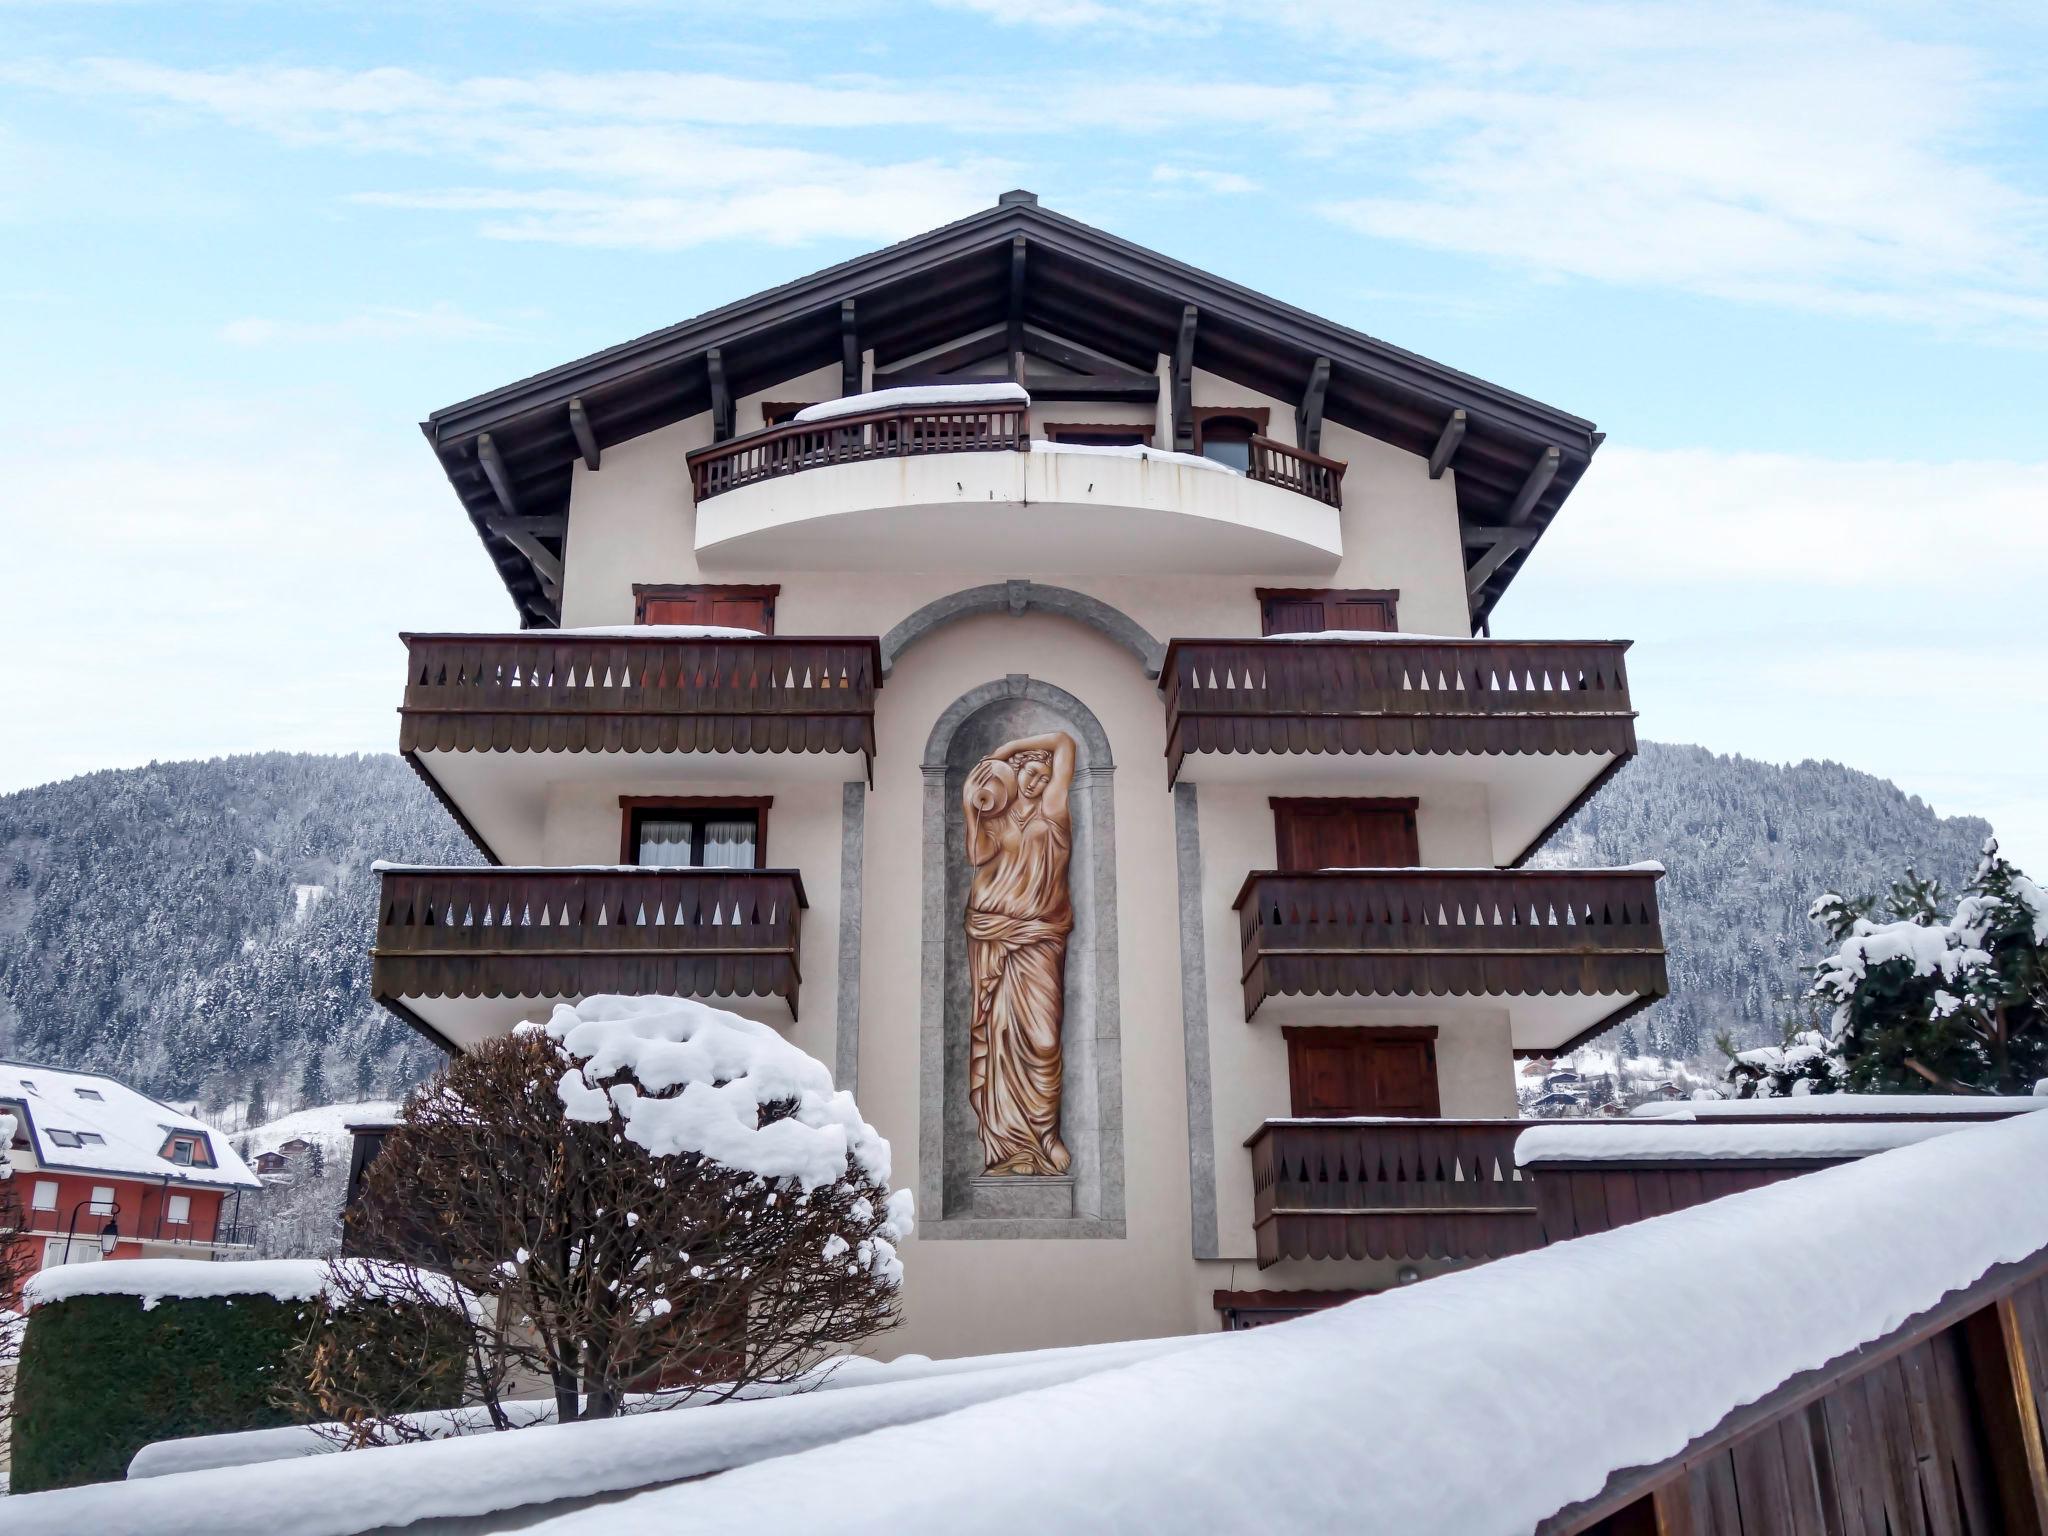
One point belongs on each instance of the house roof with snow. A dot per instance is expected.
(1060, 289)
(86, 1122)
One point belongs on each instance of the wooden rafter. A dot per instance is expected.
(721, 396)
(849, 349)
(1447, 445)
(1013, 347)
(1184, 383)
(1498, 546)
(585, 435)
(1308, 416)
(1540, 475)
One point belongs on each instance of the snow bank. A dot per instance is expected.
(1671, 1140)
(728, 1070)
(1844, 1106)
(341, 1495)
(1131, 451)
(1474, 1440)
(915, 394)
(155, 1280)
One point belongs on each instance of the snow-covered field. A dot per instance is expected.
(324, 1124)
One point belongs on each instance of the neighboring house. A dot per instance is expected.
(102, 1171)
(1055, 686)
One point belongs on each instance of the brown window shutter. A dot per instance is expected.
(1334, 1071)
(1312, 610)
(735, 607)
(1310, 834)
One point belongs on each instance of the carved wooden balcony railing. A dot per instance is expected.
(1390, 1189)
(1456, 932)
(904, 432)
(575, 932)
(1298, 470)
(545, 692)
(1489, 696)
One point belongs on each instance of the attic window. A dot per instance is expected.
(181, 1152)
(63, 1138)
(1225, 433)
(31, 1087)
(91, 1139)
(90, 1093)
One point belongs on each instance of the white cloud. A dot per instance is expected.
(1221, 183)
(1691, 517)
(376, 323)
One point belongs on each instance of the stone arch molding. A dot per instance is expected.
(949, 1205)
(1018, 597)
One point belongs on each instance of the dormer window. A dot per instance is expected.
(181, 1151)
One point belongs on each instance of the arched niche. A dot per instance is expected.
(1019, 597)
(953, 1201)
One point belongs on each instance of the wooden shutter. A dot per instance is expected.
(736, 607)
(1344, 834)
(1311, 610)
(1360, 1071)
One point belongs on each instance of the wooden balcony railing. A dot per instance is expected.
(1458, 932)
(544, 692)
(911, 431)
(575, 932)
(904, 432)
(1490, 696)
(1390, 1189)
(1298, 470)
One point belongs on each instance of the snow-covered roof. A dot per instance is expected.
(907, 395)
(1208, 1437)
(1675, 1139)
(153, 1280)
(1845, 1105)
(117, 1130)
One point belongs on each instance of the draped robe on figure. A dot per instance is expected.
(1018, 919)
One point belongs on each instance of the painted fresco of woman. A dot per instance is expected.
(1019, 840)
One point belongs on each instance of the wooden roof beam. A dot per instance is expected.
(493, 464)
(1184, 383)
(1540, 475)
(543, 560)
(586, 438)
(1013, 346)
(721, 397)
(849, 349)
(1498, 546)
(1308, 416)
(1447, 445)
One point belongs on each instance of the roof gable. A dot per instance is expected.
(509, 452)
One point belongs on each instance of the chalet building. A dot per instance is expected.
(1056, 686)
(102, 1172)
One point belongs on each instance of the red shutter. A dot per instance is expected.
(735, 607)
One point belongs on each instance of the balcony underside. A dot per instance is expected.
(1080, 513)
(1539, 1024)
(463, 1022)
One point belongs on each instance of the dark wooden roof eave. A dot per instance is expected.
(1089, 278)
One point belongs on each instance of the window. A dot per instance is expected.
(178, 1210)
(46, 1195)
(1099, 434)
(694, 833)
(1334, 1071)
(776, 413)
(733, 607)
(91, 1139)
(181, 1152)
(1318, 610)
(103, 1199)
(90, 1093)
(62, 1138)
(31, 1087)
(1345, 834)
(1225, 433)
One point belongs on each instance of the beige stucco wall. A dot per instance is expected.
(632, 522)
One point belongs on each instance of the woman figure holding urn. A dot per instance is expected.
(1019, 840)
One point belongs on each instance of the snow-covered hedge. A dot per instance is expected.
(122, 1353)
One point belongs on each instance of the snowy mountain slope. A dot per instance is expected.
(324, 1125)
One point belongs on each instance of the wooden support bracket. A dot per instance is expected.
(721, 397)
(1308, 416)
(1446, 445)
(586, 436)
(1540, 476)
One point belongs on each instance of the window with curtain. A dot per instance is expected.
(1228, 440)
(697, 839)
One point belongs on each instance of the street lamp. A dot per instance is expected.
(110, 1238)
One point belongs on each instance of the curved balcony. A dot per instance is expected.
(468, 953)
(490, 721)
(1540, 724)
(1565, 952)
(932, 485)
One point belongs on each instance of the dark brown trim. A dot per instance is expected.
(643, 591)
(1072, 431)
(1388, 598)
(448, 804)
(1260, 416)
(1278, 1300)
(1320, 1032)
(1349, 802)
(758, 804)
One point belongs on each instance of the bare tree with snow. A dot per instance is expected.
(654, 1197)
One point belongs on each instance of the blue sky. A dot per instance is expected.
(1794, 260)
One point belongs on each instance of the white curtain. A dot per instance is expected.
(665, 844)
(729, 844)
